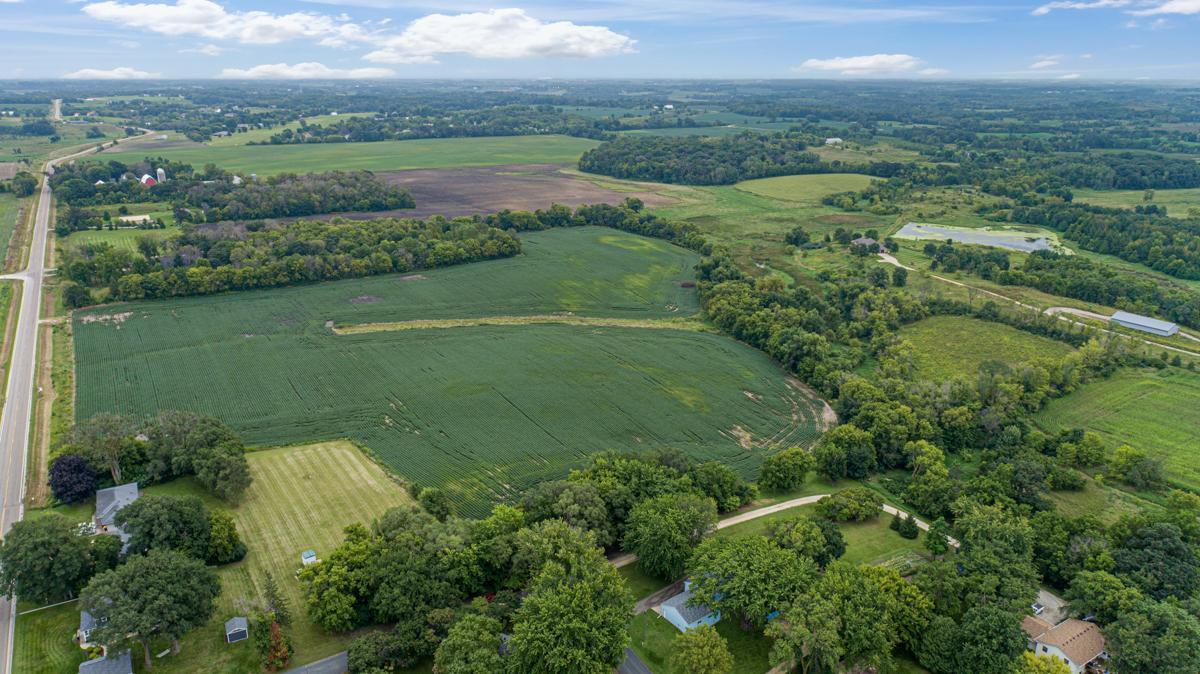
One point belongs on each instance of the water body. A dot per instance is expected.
(1001, 238)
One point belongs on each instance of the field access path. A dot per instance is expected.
(1057, 312)
(18, 400)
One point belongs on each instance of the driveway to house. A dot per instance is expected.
(334, 664)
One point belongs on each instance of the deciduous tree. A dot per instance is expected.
(703, 651)
(663, 531)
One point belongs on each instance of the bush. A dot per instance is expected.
(436, 502)
(855, 504)
(72, 478)
(908, 528)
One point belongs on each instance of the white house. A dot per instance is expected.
(1075, 642)
(684, 617)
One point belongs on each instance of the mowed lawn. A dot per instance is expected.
(808, 189)
(956, 346)
(121, 239)
(483, 411)
(1177, 202)
(1155, 410)
(393, 155)
(302, 498)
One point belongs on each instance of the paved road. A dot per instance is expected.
(18, 401)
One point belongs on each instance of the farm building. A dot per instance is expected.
(1153, 326)
(833, 141)
(1076, 642)
(684, 617)
(237, 629)
(119, 664)
(148, 180)
(309, 557)
(108, 503)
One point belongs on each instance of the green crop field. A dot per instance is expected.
(481, 411)
(955, 346)
(1177, 202)
(1155, 410)
(382, 156)
(806, 189)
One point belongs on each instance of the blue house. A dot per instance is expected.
(684, 617)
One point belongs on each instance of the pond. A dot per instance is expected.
(1024, 241)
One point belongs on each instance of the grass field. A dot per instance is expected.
(381, 156)
(653, 639)
(1177, 202)
(263, 135)
(42, 640)
(10, 208)
(121, 239)
(1155, 410)
(480, 411)
(956, 346)
(806, 189)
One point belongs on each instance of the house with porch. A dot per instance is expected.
(1077, 643)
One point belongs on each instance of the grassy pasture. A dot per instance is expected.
(10, 207)
(808, 189)
(257, 135)
(1156, 410)
(955, 346)
(382, 156)
(121, 239)
(1177, 202)
(481, 411)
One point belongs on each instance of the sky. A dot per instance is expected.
(826, 39)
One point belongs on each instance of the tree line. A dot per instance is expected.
(698, 160)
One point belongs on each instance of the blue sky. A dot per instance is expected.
(959, 39)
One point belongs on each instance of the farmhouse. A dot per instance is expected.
(1153, 326)
(684, 617)
(120, 664)
(108, 503)
(1075, 642)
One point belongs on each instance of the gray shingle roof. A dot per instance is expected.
(86, 621)
(111, 500)
(236, 623)
(690, 613)
(116, 664)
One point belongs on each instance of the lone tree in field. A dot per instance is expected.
(164, 594)
(44, 560)
(702, 651)
(72, 478)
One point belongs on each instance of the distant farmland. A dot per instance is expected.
(394, 155)
(482, 411)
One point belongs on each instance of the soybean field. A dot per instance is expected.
(483, 411)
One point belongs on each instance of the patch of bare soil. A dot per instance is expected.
(742, 436)
(480, 190)
(413, 277)
(8, 169)
(365, 299)
(107, 319)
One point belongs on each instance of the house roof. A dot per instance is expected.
(1144, 321)
(236, 623)
(86, 621)
(109, 501)
(864, 241)
(1081, 641)
(1035, 626)
(689, 613)
(119, 664)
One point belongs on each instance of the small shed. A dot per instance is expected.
(108, 664)
(308, 557)
(684, 617)
(237, 629)
(1153, 326)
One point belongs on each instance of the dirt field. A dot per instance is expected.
(468, 191)
(9, 169)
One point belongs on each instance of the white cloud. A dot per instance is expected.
(1087, 56)
(114, 74)
(496, 34)
(303, 71)
(128, 44)
(1171, 7)
(211, 20)
(1080, 4)
(205, 49)
(1047, 62)
(933, 72)
(1069, 76)
(875, 64)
